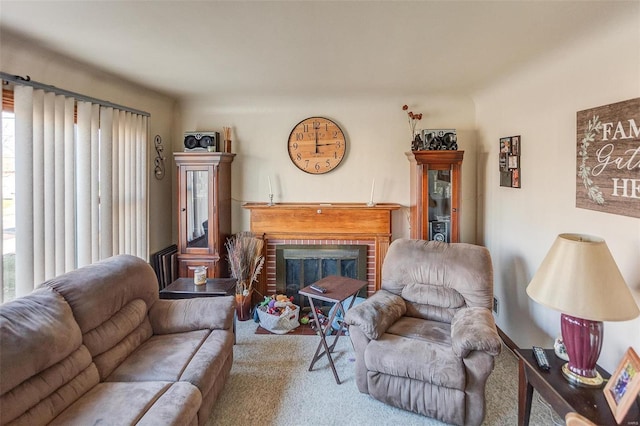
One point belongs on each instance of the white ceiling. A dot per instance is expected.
(319, 48)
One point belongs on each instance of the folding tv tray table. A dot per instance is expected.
(338, 290)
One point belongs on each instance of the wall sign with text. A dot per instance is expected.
(608, 158)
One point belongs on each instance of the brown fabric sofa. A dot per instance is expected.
(97, 346)
(426, 341)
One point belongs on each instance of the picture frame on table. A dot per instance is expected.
(623, 386)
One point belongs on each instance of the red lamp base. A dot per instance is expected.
(583, 340)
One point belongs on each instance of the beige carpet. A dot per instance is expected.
(270, 385)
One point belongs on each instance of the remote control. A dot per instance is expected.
(318, 288)
(541, 358)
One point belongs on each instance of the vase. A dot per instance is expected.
(243, 306)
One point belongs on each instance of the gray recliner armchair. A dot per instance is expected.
(426, 341)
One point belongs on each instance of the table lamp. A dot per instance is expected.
(579, 278)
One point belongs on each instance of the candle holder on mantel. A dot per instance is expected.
(226, 132)
(271, 200)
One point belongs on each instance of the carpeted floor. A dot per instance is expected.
(270, 385)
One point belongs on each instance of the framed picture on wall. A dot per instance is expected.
(504, 162)
(509, 161)
(505, 145)
(623, 386)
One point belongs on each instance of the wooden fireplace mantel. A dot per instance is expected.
(326, 222)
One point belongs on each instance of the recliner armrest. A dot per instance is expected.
(180, 315)
(376, 314)
(473, 329)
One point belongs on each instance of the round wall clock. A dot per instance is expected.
(317, 145)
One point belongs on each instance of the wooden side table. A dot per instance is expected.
(338, 290)
(184, 288)
(562, 396)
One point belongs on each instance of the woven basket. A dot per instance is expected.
(282, 324)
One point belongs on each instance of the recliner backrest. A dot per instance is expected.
(437, 279)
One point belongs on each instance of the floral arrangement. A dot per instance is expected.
(413, 120)
(594, 127)
(245, 260)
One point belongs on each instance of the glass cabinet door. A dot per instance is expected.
(197, 208)
(439, 200)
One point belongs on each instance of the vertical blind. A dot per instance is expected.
(81, 188)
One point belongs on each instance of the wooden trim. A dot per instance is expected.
(7, 100)
(321, 222)
(507, 341)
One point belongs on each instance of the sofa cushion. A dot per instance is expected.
(425, 330)
(99, 291)
(36, 332)
(208, 364)
(115, 329)
(434, 295)
(43, 396)
(129, 403)
(161, 358)
(415, 359)
(44, 365)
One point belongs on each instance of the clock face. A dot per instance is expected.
(317, 145)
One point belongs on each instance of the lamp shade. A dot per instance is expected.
(579, 277)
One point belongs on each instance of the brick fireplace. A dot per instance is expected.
(316, 224)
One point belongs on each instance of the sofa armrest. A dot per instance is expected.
(473, 329)
(376, 314)
(177, 316)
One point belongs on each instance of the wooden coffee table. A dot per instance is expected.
(338, 290)
(185, 288)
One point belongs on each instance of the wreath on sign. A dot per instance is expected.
(584, 172)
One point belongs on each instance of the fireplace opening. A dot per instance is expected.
(298, 266)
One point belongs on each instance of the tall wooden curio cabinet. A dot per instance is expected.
(436, 195)
(204, 211)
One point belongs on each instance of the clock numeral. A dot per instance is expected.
(335, 155)
(335, 134)
(295, 145)
(316, 125)
(306, 163)
(298, 156)
(299, 136)
(338, 144)
(328, 163)
(305, 128)
(317, 167)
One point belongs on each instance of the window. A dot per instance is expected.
(77, 179)
(8, 241)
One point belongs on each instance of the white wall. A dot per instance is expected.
(22, 57)
(377, 133)
(519, 225)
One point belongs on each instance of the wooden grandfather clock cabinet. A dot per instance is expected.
(204, 211)
(436, 195)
